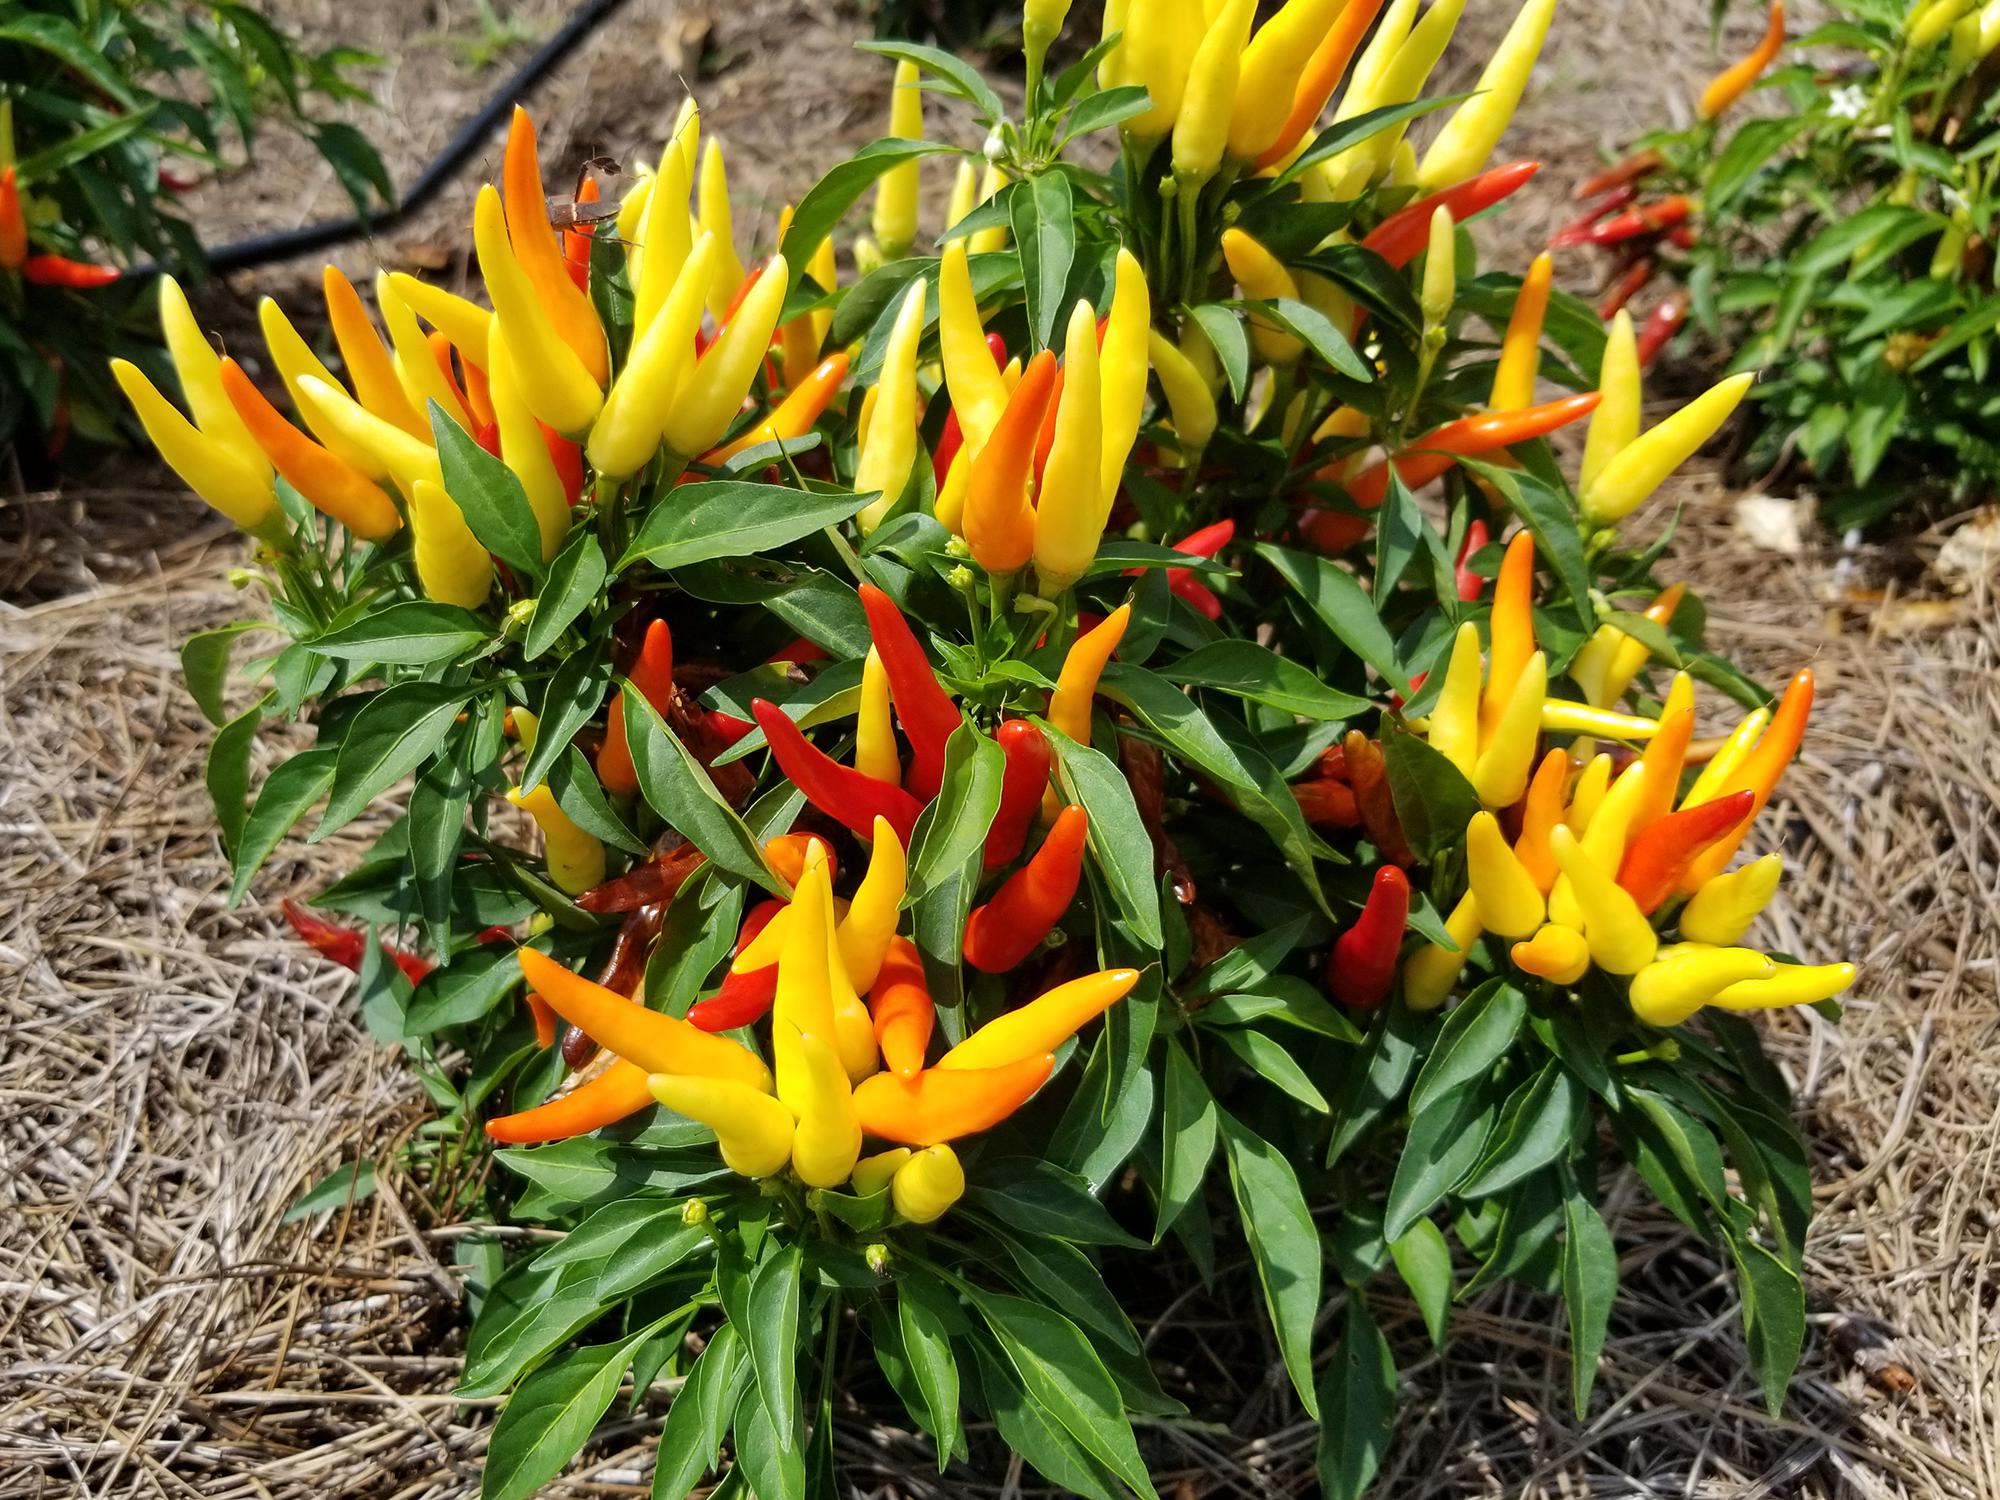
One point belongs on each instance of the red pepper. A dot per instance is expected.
(1573, 232)
(1361, 970)
(844, 794)
(1183, 582)
(1331, 531)
(743, 998)
(658, 879)
(1633, 168)
(56, 270)
(568, 459)
(577, 242)
(1198, 596)
(488, 437)
(1431, 455)
(1626, 287)
(620, 1090)
(1031, 901)
(1327, 803)
(441, 352)
(13, 225)
(653, 675)
(1022, 783)
(923, 707)
(798, 651)
(346, 945)
(1641, 219)
(1661, 325)
(1470, 585)
(1368, 773)
(952, 438)
(1398, 238)
(726, 728)
(1662, 852)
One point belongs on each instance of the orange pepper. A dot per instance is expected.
(652, 673)
(618, 1091)
(535, 247)
(935, 1105)
(901, 1008)
(331, 483)
(999, 515)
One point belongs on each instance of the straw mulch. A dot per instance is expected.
(174, 1075)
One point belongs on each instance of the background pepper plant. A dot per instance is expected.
(107, 113)
(1837, 235)
(999, 758)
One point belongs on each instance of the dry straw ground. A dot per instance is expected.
(174, 1074)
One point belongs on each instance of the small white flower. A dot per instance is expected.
(1954, 200)
(1847, 103)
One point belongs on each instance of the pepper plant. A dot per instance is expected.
(105, 114)
(1838, 238)
(935, 775)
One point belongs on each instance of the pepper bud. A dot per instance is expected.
(877, 1256)
(694, 1212)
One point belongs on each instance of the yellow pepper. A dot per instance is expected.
(416, 367)
(407, 459)
(875, 752)
(1440, 285)
(1612, 657)
(1510, 903)
(712, 395)
(1642, 466)
(451, 565)
(890, 451)
(994, 237)
(1725, 906)
(1510, 629)
(926, 1185)
(1076, 684)
(1620, 938)
(1454, 720)
(827, 1142)
(627, 433)
(1201, 127)
(522, 448)
(1187, 393)
(872, 1173)
(1555, 953)
(1044, 1023)
(964, 192)
(1466, 142)
(294, 357)
(1430, 972)
(1261, 278)
(462, 321)
(1160, 41)
(897, 190)
(1725, 762)
(686, 135)
(1121, 368)
(377, 387)
(804, 1000)
(554, 383)
(870, 922)
(1541, 811)
(632, 213)
(1615, 423)
(1687, 976)
(1270, 71)
(206, 465)
(1792, 984)
(1521, 346)
(1561, 716)
(575, 857)
(1069, 510)
(753, 1130)
(714, 217)
(537, 254)
(1400, 80)
(977, 392)
(1391, 31)
(1506, 757)
(1588, 794)
(200, 371)
(666, 240)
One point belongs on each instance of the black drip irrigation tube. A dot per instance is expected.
(267, 249)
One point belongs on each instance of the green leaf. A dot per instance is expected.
(463, 990)
(1188, 1124)
(1105, 108)
(1272, 1062)
(574, 579)
(1118, 840)
(1774, 1315)
(1248, 670)
(1064, 1375)
(1376, 1075)
(415, 633)
(1031, 1196)
(1441, 1146)
(1342, 605)
(926, 1313)
(1318, 333)
(734, 518)
(490, 496)
(551, 1417)
(575, 691)
(226, 772)
(394, 733)
(205, 665)
(1223, 329)
(438, 804)
(1553, 520)
(1433, 799)
(1590, 1285)
(772, 1333)
(963, 79)
(699, 1416)
(1357, 1406)
(1045, 236)
(1476, 1035)
(1028, 1428)
(350, 1183)
(288, 794)
(1752, 146)
(953, 827)
(528, 1312)
(1284, 1244)
(1423, 1260)
(581, 797)
(827, 201)
(1343, 134)
(1536, 1124)
(775, 1468)
(676, 787)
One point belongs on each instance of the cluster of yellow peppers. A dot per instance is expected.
(842, 1070)
(1597, 860)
